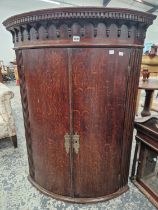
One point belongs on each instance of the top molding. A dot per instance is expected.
(79, 13)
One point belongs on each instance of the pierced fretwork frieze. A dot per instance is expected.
(52, 25)
(48, 32)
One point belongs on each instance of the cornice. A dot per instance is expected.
(97, 25)
(79, 13)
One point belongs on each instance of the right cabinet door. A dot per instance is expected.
(99, 81)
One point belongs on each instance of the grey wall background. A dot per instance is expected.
(12, 7)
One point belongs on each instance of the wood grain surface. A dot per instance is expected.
(79, 72)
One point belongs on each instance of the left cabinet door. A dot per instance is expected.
(47, 91)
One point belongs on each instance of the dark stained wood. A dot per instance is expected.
(148, 97)
(78, 200)
(147, 139)
(77, 100)
(99, 93)
(129, 112)
(134, 161)
(24, 101)
(48, 102)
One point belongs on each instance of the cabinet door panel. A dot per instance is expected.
(99, 80)
(48, 95)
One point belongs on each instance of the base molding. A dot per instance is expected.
(78, 200)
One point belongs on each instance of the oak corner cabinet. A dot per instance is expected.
(79, 73)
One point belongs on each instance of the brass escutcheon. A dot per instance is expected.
(76, 142)
(67, 142)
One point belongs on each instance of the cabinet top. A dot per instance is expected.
(79, 13)
(86, 26)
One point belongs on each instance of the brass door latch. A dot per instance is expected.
(75, 139)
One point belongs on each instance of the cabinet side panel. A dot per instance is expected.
(46, 73)
(24, 101)
(132, 89)
(100, 78)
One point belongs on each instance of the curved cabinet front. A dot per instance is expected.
(76, 80)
